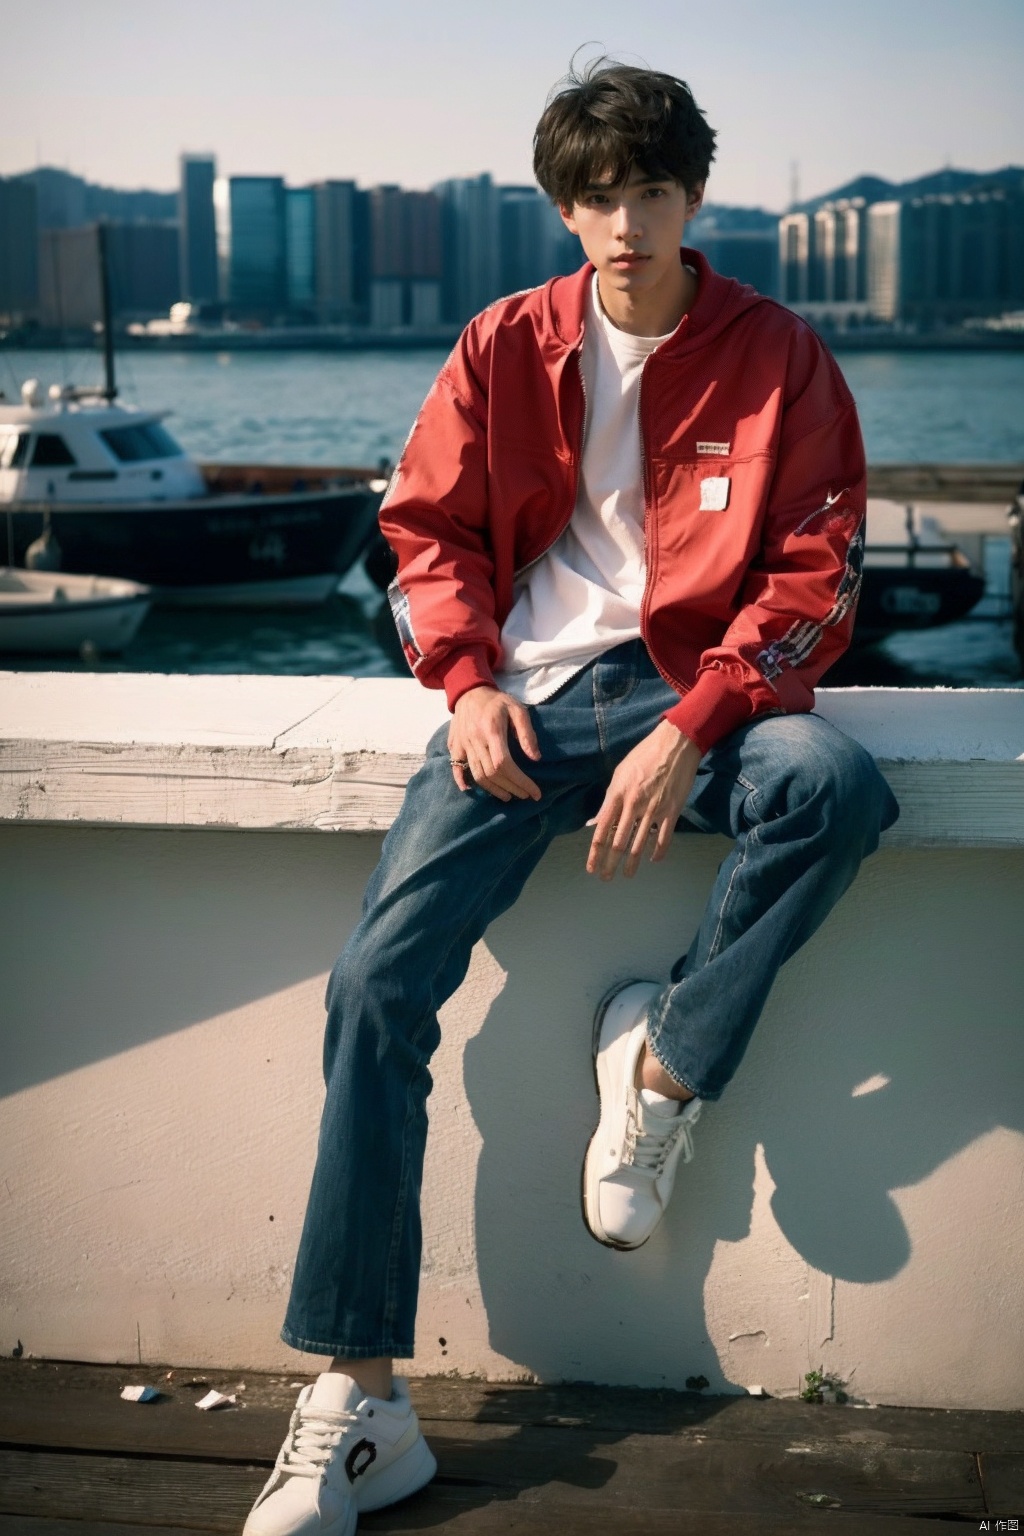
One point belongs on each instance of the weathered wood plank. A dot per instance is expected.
(78, 1406)
(504, 1519)
(945, 482)
(623, 1491)
(954, 758)
(972, 804)
(1002, 1477)
(147, 1491)
(34, 1525)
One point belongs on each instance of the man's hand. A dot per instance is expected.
(478, 744)
(644, 799)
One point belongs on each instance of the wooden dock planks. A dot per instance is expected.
(519, 1460)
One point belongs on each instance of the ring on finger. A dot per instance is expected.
(459, 762)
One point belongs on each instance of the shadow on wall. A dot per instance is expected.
(890, 1043)
(909, 992)
(110, 939)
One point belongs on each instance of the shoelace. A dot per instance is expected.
(650, 1149)
(314, 1433)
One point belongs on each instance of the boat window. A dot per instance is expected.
(13, 448)
(142, 440)
(51, 450)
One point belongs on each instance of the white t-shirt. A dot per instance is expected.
(583, 596)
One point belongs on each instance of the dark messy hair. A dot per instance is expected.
(612, 118)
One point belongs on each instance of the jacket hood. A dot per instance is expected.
(720, 300)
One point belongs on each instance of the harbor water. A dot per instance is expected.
(356, 408)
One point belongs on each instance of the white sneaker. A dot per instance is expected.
(631, 1161)
(344, 1453)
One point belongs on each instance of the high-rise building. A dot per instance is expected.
(794, 258)
(338, 289)
(196, 229)
(822, 261)
(300, 249)
(69, 278)
(257, 262)
(749, 255)
(885, 276)
(19, 251)
(534, 243)
(145, 271)
(470, 242)
(405, 258)
(945, 257)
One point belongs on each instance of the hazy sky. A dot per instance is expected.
(382, 90)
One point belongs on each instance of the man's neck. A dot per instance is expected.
(655, 313)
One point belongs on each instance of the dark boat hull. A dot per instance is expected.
(211, 542)
(904, 597)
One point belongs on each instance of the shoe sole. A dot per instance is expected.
(599, 1017)
(406, 1476)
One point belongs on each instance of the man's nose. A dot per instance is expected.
(626, 221)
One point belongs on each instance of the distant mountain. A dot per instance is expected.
(875, 189)
(66, 201)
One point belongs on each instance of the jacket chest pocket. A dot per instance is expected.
(708, 514)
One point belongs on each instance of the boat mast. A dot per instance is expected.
(106, 318)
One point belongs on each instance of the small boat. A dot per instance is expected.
(914, 577)
(47, 613)
(93, 486)
(109, 490)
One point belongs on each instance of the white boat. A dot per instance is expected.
(109, 490)
(51, 613)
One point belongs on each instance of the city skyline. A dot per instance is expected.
(919, 85)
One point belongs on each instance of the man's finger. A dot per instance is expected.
(483, 773)
(611, 840)
(641, 834)
(665, 831)
(520, 783)
(523, 727)
(603, 824)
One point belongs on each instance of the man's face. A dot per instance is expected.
(632, 230)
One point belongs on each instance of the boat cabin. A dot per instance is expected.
(72, 446)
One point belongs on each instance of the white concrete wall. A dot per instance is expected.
(855, 1198)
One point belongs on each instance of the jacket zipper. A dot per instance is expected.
(645, 601)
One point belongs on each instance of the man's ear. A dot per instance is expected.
(567, 219)
(694, 200)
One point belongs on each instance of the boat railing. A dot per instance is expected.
(279, 479)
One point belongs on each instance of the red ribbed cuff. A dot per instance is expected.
(711, 710)
(468, 668)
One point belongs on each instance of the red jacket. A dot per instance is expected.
(746, 603)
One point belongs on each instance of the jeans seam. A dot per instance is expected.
(397, 1220)
(391, 1287)
(349, 1351)
(716, 941)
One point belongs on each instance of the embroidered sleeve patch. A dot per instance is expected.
(720, 450)
(714, 493)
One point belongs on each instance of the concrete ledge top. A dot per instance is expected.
(334, 753)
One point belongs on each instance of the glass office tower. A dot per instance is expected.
(257, 262)
(197, 242)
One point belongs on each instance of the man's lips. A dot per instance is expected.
(629, 259)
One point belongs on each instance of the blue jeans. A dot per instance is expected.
(804, 805)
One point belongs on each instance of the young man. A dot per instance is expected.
(629, 525)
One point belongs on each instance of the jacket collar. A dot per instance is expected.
(718, 299)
